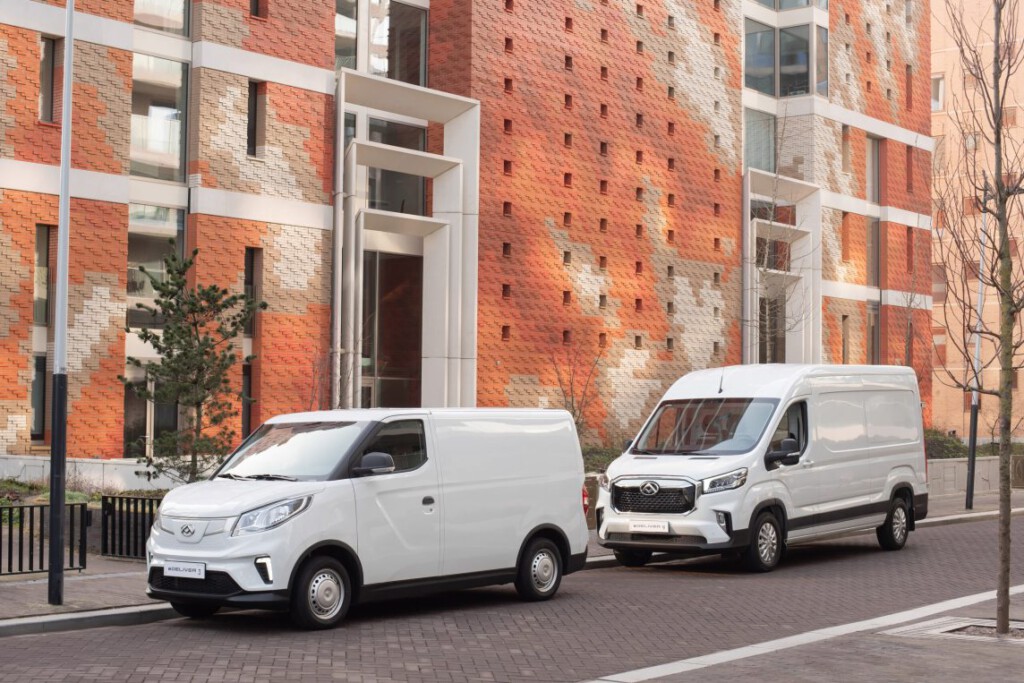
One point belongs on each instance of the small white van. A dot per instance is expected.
(317, 510)
(746, 460)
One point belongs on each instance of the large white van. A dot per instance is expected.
(317, 510)
(746, 460)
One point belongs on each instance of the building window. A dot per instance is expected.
(163, 15)
(772, 330)
(847, 162)
(871, 170)
(158, 118)
(253, 258)
(794, 61)
(255, 131)
(873, 242)
(910, 249)
(910, 168)
(910, 88)
(150, 231)
(47, 83)
(844, 237)
(247, 400)
(873, 341)
(38, 398)
(398, 41)
(846, 339)
(258, 8)
(759, 64)
(759, 141)
(821, 62)
(938, 93)
(345, 33)
(41, 283)
(391, 190)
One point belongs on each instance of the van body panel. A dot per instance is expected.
(469, 486)
(864, 438)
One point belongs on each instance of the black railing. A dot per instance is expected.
(24, 543)
(126, 524)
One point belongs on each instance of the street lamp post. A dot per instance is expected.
(972, 439)
(59, 442)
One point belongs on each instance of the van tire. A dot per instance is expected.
(194, 610)
(892, 535)
(633, 558)
(540, 571)
(321, 595)
(766, 544)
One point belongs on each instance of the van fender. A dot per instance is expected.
(337, 549)
(776, 503)
(900, 482)
(555, 534)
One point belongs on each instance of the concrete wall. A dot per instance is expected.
(84, 473)
(950, 475)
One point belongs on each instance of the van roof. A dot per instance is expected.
(776, 380)
(377, 414)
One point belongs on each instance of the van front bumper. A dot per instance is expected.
(667, 543)
(211, 591)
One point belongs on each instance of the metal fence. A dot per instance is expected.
(24, 541)
(125, 525)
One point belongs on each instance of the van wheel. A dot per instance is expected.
(322, 594)
(194, 610)
(539, 572)
(765, 549)
(633, 558)
(892, 535)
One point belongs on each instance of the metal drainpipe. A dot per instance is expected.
(336, 240)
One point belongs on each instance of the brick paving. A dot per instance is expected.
(602, 622)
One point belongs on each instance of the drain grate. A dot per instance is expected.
(954, 627)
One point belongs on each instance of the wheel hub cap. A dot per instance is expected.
(544, 571)
(325, 594)
(767, 542)
(899, 524)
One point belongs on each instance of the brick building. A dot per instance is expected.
(511, 194)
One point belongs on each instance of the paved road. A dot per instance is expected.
(603, 621)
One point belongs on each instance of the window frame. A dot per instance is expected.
(364, 447)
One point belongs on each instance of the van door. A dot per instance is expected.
(801, 480)
(399, 528)
(843, 449)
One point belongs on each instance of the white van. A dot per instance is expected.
(318, 510)
(746, 460)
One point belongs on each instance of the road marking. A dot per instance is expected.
(966, 515)
(770, 646)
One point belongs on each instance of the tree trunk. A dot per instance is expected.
(197, 429)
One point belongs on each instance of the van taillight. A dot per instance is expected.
(586, 501)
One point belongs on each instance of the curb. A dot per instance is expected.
(73, 621)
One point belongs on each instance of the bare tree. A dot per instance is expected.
(577, 374)
(978, 213)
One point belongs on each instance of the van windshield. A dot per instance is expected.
(712, 426)
(291, 451)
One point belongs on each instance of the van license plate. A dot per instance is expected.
(648, 526)
(185, 570)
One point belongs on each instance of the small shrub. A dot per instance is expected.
(597, 458)
(938, 445)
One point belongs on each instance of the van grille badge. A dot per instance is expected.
(649, 488)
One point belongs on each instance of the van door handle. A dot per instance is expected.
(807, 463)
(428, 500)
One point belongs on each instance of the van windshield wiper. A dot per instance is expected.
(230, 475)
(274, 477)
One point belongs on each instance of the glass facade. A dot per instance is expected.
(345, 33)
(164, 15)
(871, 170)
(41, 284)
(38, 398)
(398, 41)
(759, 140)
(150, 229)
(144, 422)
(47, 50)
(873, 252)
(391, 191)
(392, 329)
(158, 118)
(821, 62)
(759, 64)
(873, 341)
(794, 61)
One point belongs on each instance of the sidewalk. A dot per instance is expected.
(108, 584)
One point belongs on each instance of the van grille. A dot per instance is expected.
(215, 583)
(671, 501)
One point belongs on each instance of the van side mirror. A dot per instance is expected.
(374, 463)
(788, 454)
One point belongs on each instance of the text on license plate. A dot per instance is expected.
(185, 570)
(648, 526)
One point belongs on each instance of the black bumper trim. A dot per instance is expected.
(274, 600)
(740, 539)
(576, 562)
(920, 506)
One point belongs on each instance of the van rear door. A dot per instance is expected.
(397, 513)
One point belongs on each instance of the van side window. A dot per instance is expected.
(404, 441)
(793, 425)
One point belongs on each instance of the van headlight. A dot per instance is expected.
(604, 482)
(269, 516)
(725, 482)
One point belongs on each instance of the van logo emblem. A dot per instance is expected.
(649, 488)
(187, 530)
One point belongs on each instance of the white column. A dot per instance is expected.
(434, 370)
